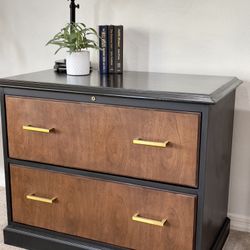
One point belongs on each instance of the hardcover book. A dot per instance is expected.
(103, 44)
(118, 49)
(111, 48)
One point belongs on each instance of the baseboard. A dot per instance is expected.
(239, 222)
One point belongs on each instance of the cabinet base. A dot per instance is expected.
(38, 239)
(222, 236)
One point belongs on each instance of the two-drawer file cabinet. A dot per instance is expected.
(134, 161)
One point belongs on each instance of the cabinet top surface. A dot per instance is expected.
(158, 86)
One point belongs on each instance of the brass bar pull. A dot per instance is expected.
(139, 141)
(33, 197)
(36, 129)
(137, 218)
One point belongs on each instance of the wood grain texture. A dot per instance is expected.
(102, 210)
(99, 138)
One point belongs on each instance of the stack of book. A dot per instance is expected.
(60, 66)
(111, 52)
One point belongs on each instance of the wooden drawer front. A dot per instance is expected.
(100, 138)
(102, 210)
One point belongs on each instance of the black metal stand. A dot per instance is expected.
(73, 6)
(60, 65)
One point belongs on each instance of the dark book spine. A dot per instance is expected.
(111, 49)
(118, 49)
(103, 44)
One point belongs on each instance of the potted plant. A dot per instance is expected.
(75, 37)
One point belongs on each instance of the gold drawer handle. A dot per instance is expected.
(139, 141)
(36, 129)
(33, 197)
(137, 218)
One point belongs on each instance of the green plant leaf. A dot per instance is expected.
(75, 37)
(58, 50)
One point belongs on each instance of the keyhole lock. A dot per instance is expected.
(93, 98)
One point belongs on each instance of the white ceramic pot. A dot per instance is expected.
(78, 63)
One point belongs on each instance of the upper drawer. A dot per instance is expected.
(105, 138)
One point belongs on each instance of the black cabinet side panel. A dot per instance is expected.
(218, 159)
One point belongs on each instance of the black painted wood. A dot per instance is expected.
(143, 85)
(109, 100)
(217, 169)
(222, 236)
(40, 239)
(5, 154)
(215, 144)
(35, 239)
(202, 176)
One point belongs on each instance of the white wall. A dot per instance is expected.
(182, 36)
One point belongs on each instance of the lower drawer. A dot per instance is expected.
(124, 215)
